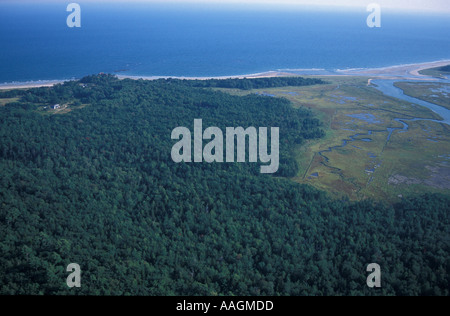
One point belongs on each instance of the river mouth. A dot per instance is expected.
(386, 86)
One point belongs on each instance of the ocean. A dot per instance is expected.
(206, 40)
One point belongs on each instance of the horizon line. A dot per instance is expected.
(436, 6)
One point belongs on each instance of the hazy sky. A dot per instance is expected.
(434, 5)
(403, 5)
(407, 5)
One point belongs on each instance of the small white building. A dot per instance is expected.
(56, 106)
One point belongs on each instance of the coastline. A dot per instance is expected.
(407, 72)
(268, 74)
(31, 84)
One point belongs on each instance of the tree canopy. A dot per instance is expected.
(96, 186)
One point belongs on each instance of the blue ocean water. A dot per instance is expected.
(163, 40)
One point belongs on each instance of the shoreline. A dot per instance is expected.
(405, 71)
(398, 71)
(31, 84)
(267, 74)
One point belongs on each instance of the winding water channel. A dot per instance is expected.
(387, 88)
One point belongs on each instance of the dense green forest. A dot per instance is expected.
(249, 84)
(96, 186)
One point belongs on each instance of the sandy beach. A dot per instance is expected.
(410, 72)
(268, 74)
(28, 85)
(396, 72)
